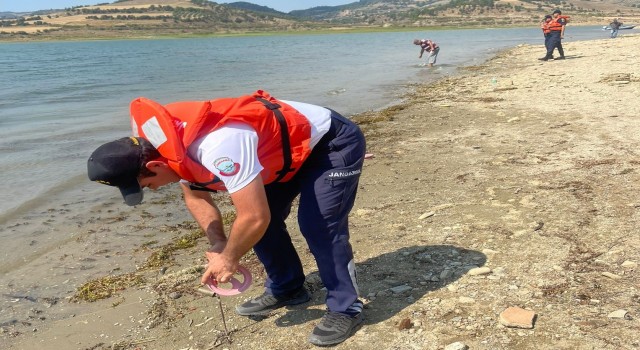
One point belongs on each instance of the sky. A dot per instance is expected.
(280, 5)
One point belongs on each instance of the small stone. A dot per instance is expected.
(364, 212)
(611, 275)
(206, 291)
(466, 300)
(426, 215)
(457, 346)
(175, 295)
(479, 271)
(400, 289)
(405, 324)
(392, 282)
(445, 274)
(620, 314)
(383, 293)
(629, 264)
(516, 317)
(538, 225)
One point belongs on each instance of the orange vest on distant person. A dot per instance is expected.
(555, 25)
(545, 26)
(283, 133)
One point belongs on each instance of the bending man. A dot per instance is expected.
(430, 47)
(265, 153)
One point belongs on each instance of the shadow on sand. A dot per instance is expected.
(393, 281)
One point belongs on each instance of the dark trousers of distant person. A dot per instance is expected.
(546, 41)
(554, 42)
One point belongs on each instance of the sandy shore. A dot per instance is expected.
(523, 167)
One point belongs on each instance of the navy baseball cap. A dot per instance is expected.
(117, 163)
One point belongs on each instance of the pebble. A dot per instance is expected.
(620, 314)
(206, 291)
(400, 289)
(175, 295)
(457, 346)
(466, 300)
(479, 271)
(611, 275)
(515, 317)
(426, 215)
(393, 283)
(628, 263)
(405, 324)
(445, 274)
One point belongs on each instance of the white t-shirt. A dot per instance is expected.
(231, 152)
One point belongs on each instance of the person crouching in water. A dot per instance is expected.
(430, 47)
(265, 153)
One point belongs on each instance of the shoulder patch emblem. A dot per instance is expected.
(226, 166)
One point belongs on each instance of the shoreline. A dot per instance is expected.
(439, 150)
(357, 30)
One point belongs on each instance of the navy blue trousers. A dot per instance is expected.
(555, 41)
(327, 184)
(546, 41)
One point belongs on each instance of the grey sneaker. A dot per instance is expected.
(334, 328)
(266, 303)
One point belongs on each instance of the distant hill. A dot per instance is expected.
(243, 5)
(130, 18)
(463, 12)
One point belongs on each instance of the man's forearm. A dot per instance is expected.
(206, 213)
(245, 233)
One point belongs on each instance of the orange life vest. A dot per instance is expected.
(545, 26)
(557, 23)
(283, 133)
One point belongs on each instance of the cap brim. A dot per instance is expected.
(132, 193)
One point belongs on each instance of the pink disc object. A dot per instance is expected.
(237, 286)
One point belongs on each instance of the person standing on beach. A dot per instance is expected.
(615, 26)
(430, 47)
(264, 152)
(556, 34)
(544, 25)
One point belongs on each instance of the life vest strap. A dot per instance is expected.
(284, 134)
(198, 187)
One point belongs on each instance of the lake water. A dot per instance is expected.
(60, 100)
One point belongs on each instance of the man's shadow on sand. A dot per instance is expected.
(393, 281)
